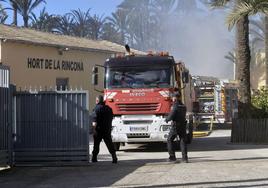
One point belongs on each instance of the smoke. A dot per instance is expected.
(200, 39)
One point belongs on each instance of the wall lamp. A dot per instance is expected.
(3, 40)
(61, 50)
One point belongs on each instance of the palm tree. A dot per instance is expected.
(96, 24)
(45, 21)
(15, 11)
(266, 46)
(139, 30)
(65, 24)
(3, 15)
(257, 32)
(81, 22)
(119, 21)
(110, 33)
(25, 8)
(13, 5)
(239, 17)
(231, 57)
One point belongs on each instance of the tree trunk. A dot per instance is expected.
(243, 67)
(15, 14)
(266, 47)
(25, 20)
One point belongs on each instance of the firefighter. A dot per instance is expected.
(178, 127)
(102, 126)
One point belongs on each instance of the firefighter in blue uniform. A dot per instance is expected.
(102, 127)
(178, 128)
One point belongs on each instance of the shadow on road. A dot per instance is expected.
(101, 174)
(220, 144)
(146, 147)
(198, 144)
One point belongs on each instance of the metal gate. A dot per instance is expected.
(5, 117)
(51, 128)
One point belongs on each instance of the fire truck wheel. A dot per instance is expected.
(117, 146)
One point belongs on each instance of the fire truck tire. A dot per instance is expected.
(117, 146)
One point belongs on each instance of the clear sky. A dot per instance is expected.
(61, 7)
(97, 6)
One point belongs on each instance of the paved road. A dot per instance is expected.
(214, 162)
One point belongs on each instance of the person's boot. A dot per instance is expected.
(114, 158)
(94, 159)
(172, 158)
(184, 159)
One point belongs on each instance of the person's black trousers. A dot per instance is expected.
(171, 144)
(107, 140)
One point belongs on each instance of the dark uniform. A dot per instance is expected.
(177, 116)
(103, 116)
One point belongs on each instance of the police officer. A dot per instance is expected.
(178, 127)
(102, 126)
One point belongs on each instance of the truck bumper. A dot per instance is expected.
(140, 128)
(140, 137)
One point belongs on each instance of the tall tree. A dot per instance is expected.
(239, 17)
(25, 8)
(14, 8)
(96, 24)
(257, 32)
(65, 24)
(110, 33)
(140, 28)
(81, 22)
(3, 15)
(266, 45)
(232, 58)
(15, 11)
(119, 21)
(45, 21)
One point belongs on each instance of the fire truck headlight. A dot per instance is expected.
(165, 128)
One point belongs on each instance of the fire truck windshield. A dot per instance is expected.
(138, 77)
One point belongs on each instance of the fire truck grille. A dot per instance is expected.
(137, 122)
(138, 135)
(138, 107)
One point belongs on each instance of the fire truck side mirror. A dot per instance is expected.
(95, 70)
(185, 77)
(94, 79)
(95, 76)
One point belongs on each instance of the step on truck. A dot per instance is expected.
(138, 89)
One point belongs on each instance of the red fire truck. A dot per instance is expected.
(138, 89)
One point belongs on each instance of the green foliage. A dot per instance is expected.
(246, 8)
(25, 8)
(241, 9)
(143, 24)
(260, 103)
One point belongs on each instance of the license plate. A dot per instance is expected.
(138, 128)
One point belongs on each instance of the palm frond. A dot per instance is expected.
(256, 34)
(258, 24)
(218, 3)
(231, 57)
(246, 8)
